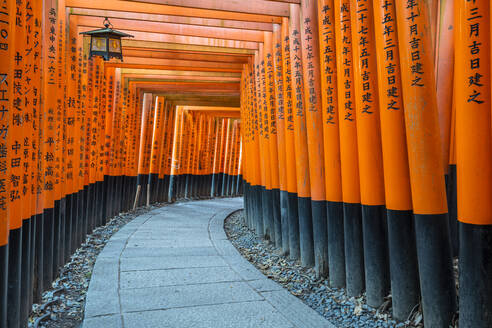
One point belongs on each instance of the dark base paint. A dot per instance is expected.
(277, 223)
(48, 217)
(354, 251)
(293, 219)
(266, 202)
(4, 265)
(14, 278)
(405, 288)
(56, 237)
(25, 269)
(376, 266)
(475, 276)
(320, 238)
(284, 220)
(306, 231)
(336, 247)
(258, 214)
(435, 269)
(38, 259)
(452, 197)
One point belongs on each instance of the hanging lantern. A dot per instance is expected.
(106, 42)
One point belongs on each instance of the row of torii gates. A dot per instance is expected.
(358, 130)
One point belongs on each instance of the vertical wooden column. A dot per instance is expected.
(16, 197)
(36, 200)
(6, 45)
(155, 150)
(162, 147)
(314, 124)
(280, 121)
(370, 153)
(174, 152)
(474, 161)
(28, 164)
(146, 112)
(276, 232)
(445, 95)
(301, 143)
(49, 103)
(290, 148)
(426, 169)
(401, 236)
(352, 216)
(261, 222)
(331, 142)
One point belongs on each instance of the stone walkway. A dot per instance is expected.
(174, 267)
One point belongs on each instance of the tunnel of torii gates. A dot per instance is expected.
(359, 148)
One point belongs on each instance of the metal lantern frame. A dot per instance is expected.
(112, 42)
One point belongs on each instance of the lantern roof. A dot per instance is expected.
(106, 31)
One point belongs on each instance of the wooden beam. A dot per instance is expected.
(170, 67)
(163, 54)
(149, 8)
(178, 73)
(191, 48)
(178, 78)
(175, 29)
(259, 7)
(187, 40)
(182, 63)
(242, 25)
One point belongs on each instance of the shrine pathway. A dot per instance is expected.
(174, 267)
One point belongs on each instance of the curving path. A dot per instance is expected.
(174, 267)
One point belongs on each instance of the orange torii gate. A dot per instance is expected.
(341, 121)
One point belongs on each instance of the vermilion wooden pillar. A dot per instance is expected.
(370, 153)
(6, 21)
(405, 289)
(354, 261)
(301, 143)
(314, 124)
(331, 141)
(425, 162)
(474, 162)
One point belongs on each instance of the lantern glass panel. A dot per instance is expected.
(98, 44)
(115, 45)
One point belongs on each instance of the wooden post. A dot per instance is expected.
(426, 169)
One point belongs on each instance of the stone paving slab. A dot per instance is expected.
(174, 267)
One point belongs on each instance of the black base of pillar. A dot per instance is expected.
(320, 237)
(48, 218)
(475, 276)
(284, 220)
(354, 251)
(452, 197)
(38, 285)
(405, 288)
(376, 266)
(293, 218)
(4, 267)
(258, 194)
(69, 227)
(435, 269)
(336, 246)
(306, 231)
(277, 223)
(268, 225)
(56, 237)
(14, 279)
(25, 269)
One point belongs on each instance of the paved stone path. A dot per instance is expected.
(174, 267)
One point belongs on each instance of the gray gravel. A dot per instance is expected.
(332, 303)
(65, 301)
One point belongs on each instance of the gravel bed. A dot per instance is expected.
(64, 303)
(332, 303)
